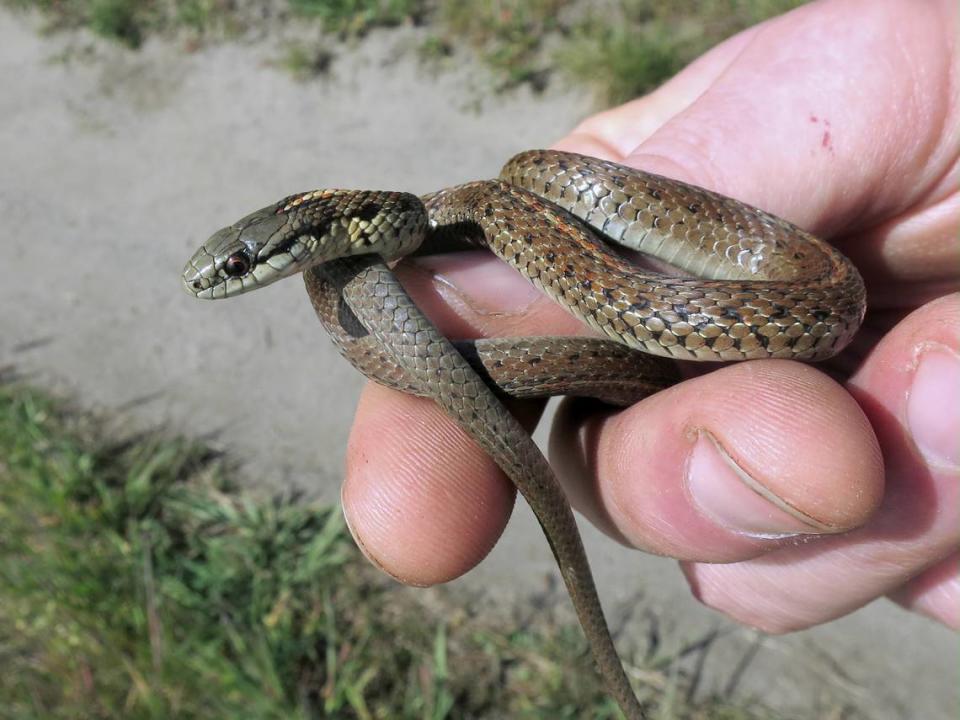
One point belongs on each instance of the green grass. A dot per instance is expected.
(648, 41)
(129, 22)
(125, 21)
(305, 61)
(629, 48)
(136, 582)
(509, 35)
(354, 17)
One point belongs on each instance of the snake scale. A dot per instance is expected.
(747, 285)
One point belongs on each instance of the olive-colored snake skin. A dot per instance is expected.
(765, 288)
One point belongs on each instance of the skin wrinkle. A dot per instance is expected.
(919, 153)
(935, 592)
(768, 596)
(947, 129)
(767, 602)
(598, 147)
(911, 248)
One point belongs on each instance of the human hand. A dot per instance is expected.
(766, 478)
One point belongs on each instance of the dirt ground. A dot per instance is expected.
(117, 165)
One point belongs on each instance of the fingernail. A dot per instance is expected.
(481, 281)
(729, 496)
(933, 406)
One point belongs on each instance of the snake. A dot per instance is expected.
(735, 283)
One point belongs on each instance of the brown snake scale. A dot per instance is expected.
(748, 285)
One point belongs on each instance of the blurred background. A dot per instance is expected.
(169, 470)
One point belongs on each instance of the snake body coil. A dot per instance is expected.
(763, 288)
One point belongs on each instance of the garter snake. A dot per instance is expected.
(761, 288)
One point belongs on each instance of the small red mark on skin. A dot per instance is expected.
(826, 141)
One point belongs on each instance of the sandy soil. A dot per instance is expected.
(116, 165)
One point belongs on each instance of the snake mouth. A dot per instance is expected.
(200, 277)
(213, 287)
(198, 289)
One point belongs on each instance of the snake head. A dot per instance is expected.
(256, 250)
(303, 230)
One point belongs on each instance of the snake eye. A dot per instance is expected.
(236, 265)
